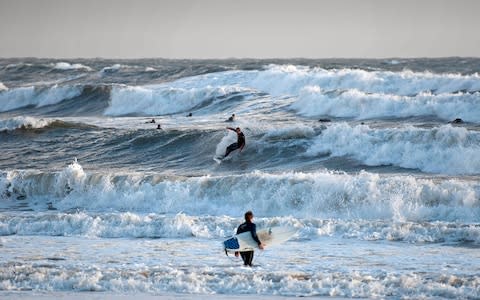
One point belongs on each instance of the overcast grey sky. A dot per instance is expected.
(239, 28)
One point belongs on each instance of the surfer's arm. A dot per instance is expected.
(232, 129)
(255, 236)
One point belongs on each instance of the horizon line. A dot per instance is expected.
(242, 58)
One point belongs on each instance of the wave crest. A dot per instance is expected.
(37, 96)
(68, 66)
(23, 123)
(164, 99)
(314, 101)
(320, 195)
(445, 149)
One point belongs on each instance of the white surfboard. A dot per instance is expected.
(218, 160)
(270, 236)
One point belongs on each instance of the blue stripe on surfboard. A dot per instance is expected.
(231, 243)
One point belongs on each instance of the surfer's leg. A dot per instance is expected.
(231, 148)
(248, 258)
(244, 257)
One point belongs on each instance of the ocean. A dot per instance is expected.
(375, 163)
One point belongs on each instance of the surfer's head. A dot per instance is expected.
(238, 129)
(249, 216)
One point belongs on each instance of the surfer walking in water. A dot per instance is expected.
(240, 141)
(248, 225)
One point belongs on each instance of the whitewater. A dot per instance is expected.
(375, 163)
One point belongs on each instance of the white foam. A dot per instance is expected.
(24, 122)
(319, 195)
(153, 225)
(37, 96)
(40, 267)
(178, 96)
(68, 66)
(290, 132)
(19, 65)
(393, 62)
(112, 225)
(445, 149)
(113, 68)
(3, 87)
(290, 80)
(313, 101)
(337, 92)
(72, 178)
(229, 138)
(163, 99)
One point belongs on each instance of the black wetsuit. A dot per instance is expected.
(247, 256)
(240, 143)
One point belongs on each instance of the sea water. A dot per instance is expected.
(363, 158)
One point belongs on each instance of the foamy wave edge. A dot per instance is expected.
(303, 195)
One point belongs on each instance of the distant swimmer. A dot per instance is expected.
(240, 141)
(457, 121)
(152, 121)
(248, 225)
(189, 115)
(231, 119)
(324, 120)
(159, 126)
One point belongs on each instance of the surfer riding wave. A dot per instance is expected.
(240, 141)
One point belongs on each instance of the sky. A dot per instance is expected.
(239, 28)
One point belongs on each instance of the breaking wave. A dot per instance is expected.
(289, 79)
(314, 101)
(36, 96)
(164, 99)
(445, 149)
(303, 195)
(346, 93)
(68, 66)
(23, 123)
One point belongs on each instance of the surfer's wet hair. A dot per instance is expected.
(248, 215)
(238, 128)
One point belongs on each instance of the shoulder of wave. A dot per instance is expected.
(31, 123)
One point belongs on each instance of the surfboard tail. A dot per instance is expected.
(231, 244)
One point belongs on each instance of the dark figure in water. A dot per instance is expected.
(231, 119)
(159, 126)
(152, 121)
(189, 115)
(247, 256)
(240, 141)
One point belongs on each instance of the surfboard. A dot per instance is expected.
(219, 159)
(270, 236)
